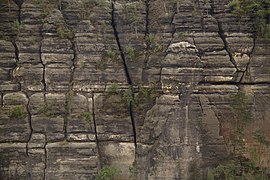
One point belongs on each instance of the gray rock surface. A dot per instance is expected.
(142, 86)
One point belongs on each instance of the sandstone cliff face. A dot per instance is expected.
(143, 86)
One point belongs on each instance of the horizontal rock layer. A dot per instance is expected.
(143, 86)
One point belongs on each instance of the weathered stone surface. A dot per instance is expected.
(14, 123)
(47, 124)
(30, 77)
(9, 86)
(37, 140)
(146, 85)
(76, 160)
(175, 141)
(56, 81)
(17, 98)
(7, 59)
(5, 74)
(112, 117)
(13, 161)
(123, 161)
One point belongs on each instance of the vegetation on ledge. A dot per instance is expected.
(258, 10)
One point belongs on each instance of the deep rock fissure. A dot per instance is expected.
(113, 24)
(95, 130)
(43, 65)
(223, 38)
(226, 44)
(211, 12)
(45, 158)
(129, 81)
(30, 124)
(16, 51)
(19, 4)
(2, 97)
(73, 67)
(249, 60)
(147, 33)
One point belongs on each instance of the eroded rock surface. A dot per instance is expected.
(143, 86)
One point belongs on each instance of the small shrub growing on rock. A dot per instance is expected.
(64, 33)
(86, 116)
(107, 173)
(113, 89)
(16, 112)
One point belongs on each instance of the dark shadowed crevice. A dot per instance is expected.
(67, 107)
(211, 11)
(147, 32)
(30, 123)
(2, 97)
(226, 44)
(249, 60)
(133, 122)
(19, 4)
(238, 74)
(113, 23)
(16, 51)
(43, 81)
(95, 130)
(129, 80)
(16, 65)
(73, 67)
(45, 158)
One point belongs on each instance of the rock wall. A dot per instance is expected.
(143, 86)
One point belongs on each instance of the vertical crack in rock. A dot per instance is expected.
(19, 4)
(45, 158)
(67, 109)
(200, 104)
(198, 52)
(129, 81)
(249, 60)
(211, 11)
(2, 97)
(95, 130)
(133, 121)
(174, 30)
(73, 67)
(147, 9)
(16, 51)
(69, 93)
(226, 44)
(147, 33)
(30, 123)
(113, 23)
(43, 68)
(223, 36)
(16, 66)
